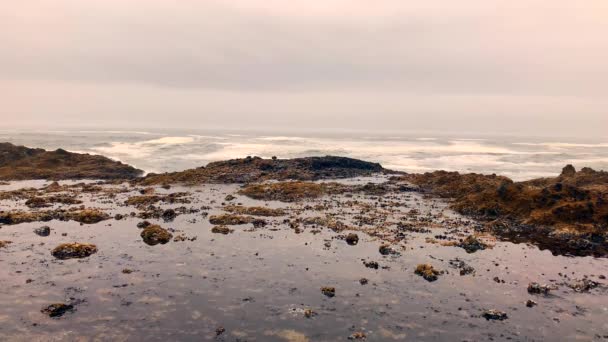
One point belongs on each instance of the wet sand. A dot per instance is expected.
(257, 283)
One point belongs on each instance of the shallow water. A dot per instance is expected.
(256, 283)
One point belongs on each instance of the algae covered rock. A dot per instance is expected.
(74, 250)
(328, 291)
(57, 309)
(427, 271)
(471, 244)
(154, 234)
(221, 230)
(494, 315)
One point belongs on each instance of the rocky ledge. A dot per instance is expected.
(256, 169)
(567, 214)
(23, 163)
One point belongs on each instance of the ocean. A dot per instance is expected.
(158, 151)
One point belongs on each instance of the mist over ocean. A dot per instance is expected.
(520, 158)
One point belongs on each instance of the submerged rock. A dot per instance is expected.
(43, 231)
(357, 336)
(328, 291)
(74, 250)
(530, 303)
(583, 285)
(537, 288)
(57, 309)
(471, 244)
(371, 264)
(494, 315)
(427, 271)
(154, 234)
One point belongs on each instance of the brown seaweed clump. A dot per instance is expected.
(74, 250)
(154, 234)
(57, 309)
(230, 220)
(427, 271)
(4, 243)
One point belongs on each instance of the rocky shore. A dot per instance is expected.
(321, 248)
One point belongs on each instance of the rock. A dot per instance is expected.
(494, 315)
(219, 331)
(427, 272)
(154, 234)
(530, 303)
(74, 250)
(43, 231)
(4, 243)
(583, 285)
(537, 288)
(22, 163)
(471, 244)
(143, 224)
(462, 266)
(127, 271)
(328, 291)
(57, 309)
(169, 215)
(357, 336)
(352, 239)
(568, 171)
(363, 281)
(229, 198)
(308, 313)
(386, 250)
(371, 264)
(221, 230)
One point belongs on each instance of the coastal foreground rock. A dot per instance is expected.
(20, 163)
(265, 260)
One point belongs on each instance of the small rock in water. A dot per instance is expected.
(530, 303)
(74, 250)
(153, 235)
(219, 331)
(57, 309)
(371, 264)
(328, 291)
(471, 244)
(494, 315)
(427, 272)
(363, 281)
(43, 231)
(537, 288)
(352, 239)
(357, 336)
(221, 230)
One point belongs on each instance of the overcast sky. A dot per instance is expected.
(533, 66)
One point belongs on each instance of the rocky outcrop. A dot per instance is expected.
(567, 214)
(256, 169)
(22, 163)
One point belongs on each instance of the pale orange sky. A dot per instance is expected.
(480, 65)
